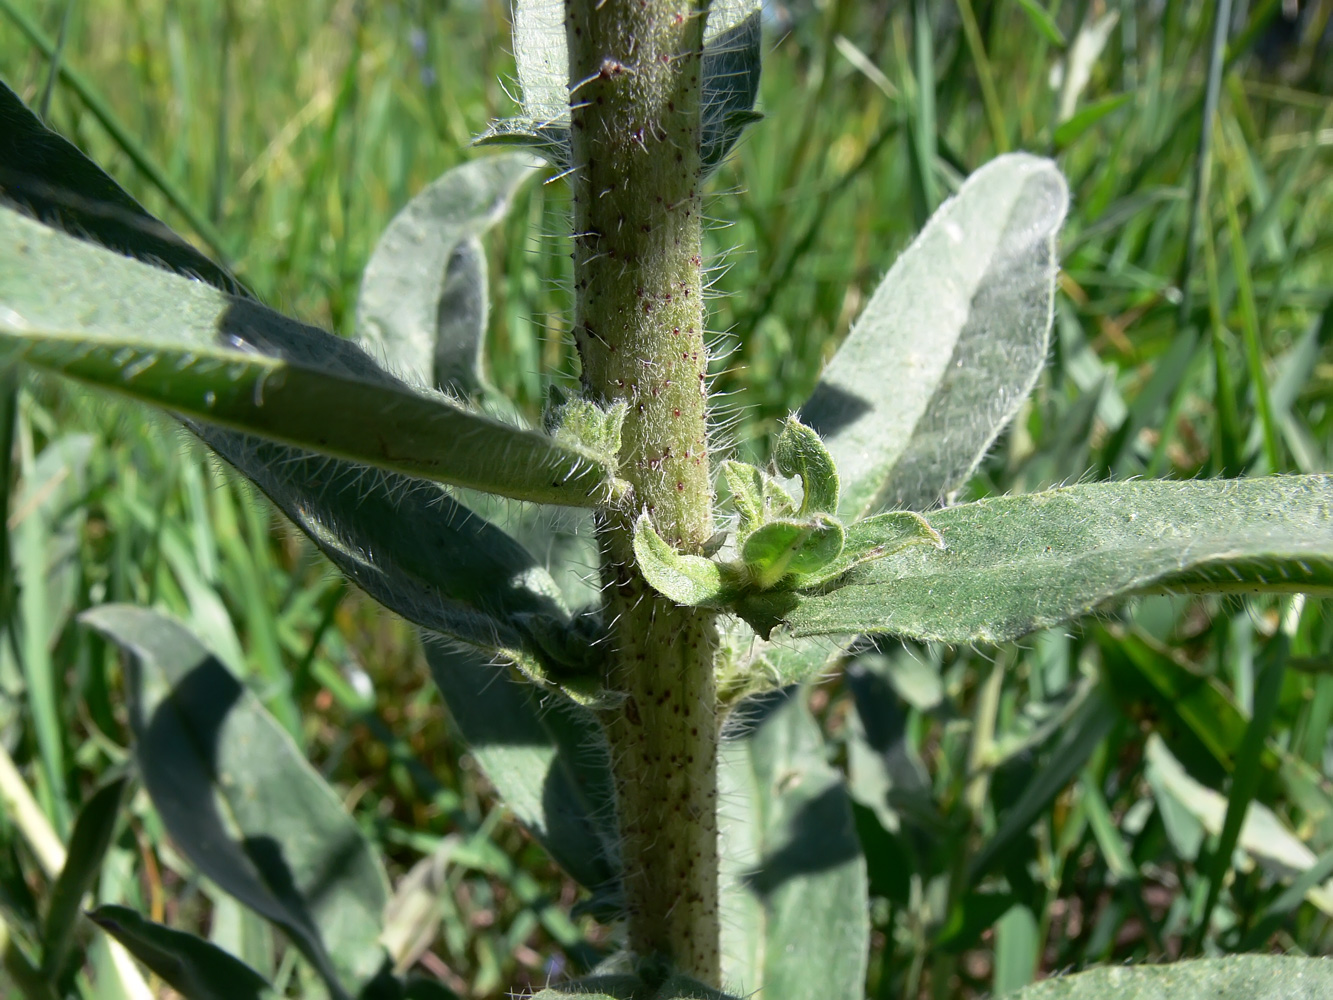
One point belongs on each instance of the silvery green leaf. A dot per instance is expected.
(874, 538)
(686, 579)
(241, 801)
(1233, 977)
(545, 756)
(748, 665)
(403, 540)
(949, 345)
(423, 305)
(732, 59)
(586, 425)
(1012, 565)
(798, 451)
(791, 860)
(73, 308)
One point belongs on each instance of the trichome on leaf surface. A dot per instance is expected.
(681, 779)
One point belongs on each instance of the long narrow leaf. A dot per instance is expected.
(73, 308)
(191, 966)
(1016, 564)
(422, 306)
(243, 804)
(949, 345)
(1235, 977)
(791, 860)
(549, 761)
(46, 174)
(88, 843)
(401, 539)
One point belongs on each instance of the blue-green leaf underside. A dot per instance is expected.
(70, 307)
(241, 801)
(949, 345)
(1016, 564)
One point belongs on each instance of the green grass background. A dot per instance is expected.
(1192, 339)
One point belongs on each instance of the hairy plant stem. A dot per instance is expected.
(635, 88)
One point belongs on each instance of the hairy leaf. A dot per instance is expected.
(756, 496)
(686, 579)
(1235, 977)
(799, 452)
(191, 966)
(628, 987)
(70, 307)
(949, 345)
(750, 665)
(242, 802)
(1016, 564)
(790, 548)
(874, 538)
(403, 540)
(731, 62)
(545, 756)
(791, 860)
(423, 303)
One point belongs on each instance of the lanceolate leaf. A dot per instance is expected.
(242, 803)
(1235, 977)
(545, 756)
(949, 345)
(627, 987)
(401, 539)
(1016, 564)
(791, 861)
(404, 541)
(73, 308)
(191, 966)
(88, 844)
(731, 63)
(422, 307)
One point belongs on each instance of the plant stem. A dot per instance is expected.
(635, 86)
